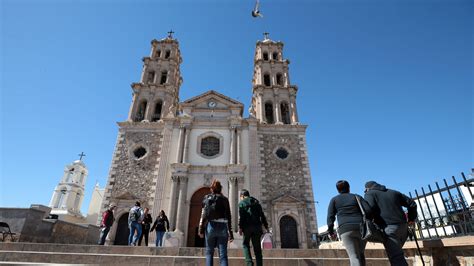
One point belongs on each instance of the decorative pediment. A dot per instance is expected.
(203, 100)
(287, 199)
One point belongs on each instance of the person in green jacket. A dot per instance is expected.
(251, 219)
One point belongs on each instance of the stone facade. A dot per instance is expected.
(168, 152)
(135, 175)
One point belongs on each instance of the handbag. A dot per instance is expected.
(369, 230)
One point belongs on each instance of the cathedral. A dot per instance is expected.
(168, 151)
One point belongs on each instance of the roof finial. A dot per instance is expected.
(265, 35)
(170, 34)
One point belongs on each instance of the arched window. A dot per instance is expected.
(158, 54)
(279, 79)
(266, 80)
(210, 146)
(167, 54)
(285, 113)
(60, 199)
(81, 178)
(151, 77)
(141, 111)
(275, 56)
(157, 113)
(269, 113)
(164, 77)
(265, 56)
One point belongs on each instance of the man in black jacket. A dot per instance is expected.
(251, 219)
(387, 206)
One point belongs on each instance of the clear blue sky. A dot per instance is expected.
(386, 87)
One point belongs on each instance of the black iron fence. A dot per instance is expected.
(446, 210)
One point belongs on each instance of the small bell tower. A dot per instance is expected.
(157, 94)
(69, 193)
(273, 98)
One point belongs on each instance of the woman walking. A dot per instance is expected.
(349, 218)
(161, 225)
(147, 220)
(216, 224)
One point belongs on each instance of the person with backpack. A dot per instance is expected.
(388, 214)
(251, 219)
(349, 218)
(135, 218)
(106, 223)
(161, 225)
(216, 224)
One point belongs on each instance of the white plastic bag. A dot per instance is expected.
(267, 241)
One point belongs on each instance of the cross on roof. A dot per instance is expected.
(81, 155)
(265, 35)
(170, 34)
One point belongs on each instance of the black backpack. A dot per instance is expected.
(212, 203)
(253, 212)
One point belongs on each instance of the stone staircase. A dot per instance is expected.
(21, 253)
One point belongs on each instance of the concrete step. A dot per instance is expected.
(18, 253)
(129, 259)
(174, 251)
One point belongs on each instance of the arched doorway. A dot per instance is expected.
(194, 215)
(288, 232)
(121, 237)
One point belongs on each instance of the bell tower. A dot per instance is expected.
(69, 193)
(282, 176)
(273, 98)
(157, 93)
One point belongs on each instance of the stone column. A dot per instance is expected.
(186, 144)
(133, 106)
(172, 207)
(183, 187)
(292, 107)
(262, 107)
(293, 113)
(148, 111)
(232, 145)
(142, 78)
(276, 108)
(239, 148)
(179, 157)
(233, 202)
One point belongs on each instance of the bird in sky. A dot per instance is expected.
(255, 11)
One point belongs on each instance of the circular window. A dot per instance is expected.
(282, 153)
(139, 152)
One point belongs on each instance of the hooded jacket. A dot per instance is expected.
(387, 205)
(258, 219)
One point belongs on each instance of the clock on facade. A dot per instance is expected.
(212, 104)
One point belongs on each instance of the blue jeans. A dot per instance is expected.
(216, 236)
(134, 226)
(103, 234)
(159, 238)
(396, 236)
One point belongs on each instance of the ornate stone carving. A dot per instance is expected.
(132, 175)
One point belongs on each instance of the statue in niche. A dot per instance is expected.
(207, 180)
(252, 111)
(171, 111)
